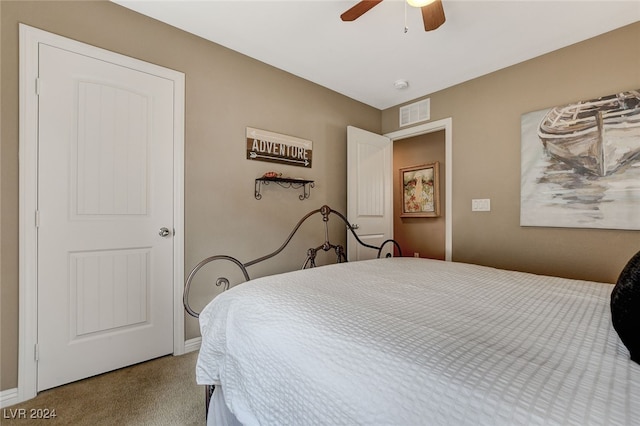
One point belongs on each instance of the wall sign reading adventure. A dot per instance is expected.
(263, 145)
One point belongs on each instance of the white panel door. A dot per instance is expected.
(105, 189)
(369, 196)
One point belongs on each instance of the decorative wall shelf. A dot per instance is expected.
(294, 183)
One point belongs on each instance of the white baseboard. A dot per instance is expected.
(8, 397)
(192, 344)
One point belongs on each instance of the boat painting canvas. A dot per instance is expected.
(581, 164)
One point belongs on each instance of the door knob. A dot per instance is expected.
(355, 226)
(164, 232)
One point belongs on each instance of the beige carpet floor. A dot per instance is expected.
(158, 392)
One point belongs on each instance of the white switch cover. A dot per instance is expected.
(481, 205)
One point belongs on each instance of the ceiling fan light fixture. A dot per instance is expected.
(432, 12)
(419, 3)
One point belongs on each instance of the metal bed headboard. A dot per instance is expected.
(309, 262)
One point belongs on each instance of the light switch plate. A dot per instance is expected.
(481, 205)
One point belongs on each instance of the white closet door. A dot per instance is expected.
(105, 190)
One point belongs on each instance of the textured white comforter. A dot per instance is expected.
(407, 341)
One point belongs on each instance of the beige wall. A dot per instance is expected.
(225, 92)
(486, 157)
(422, 235)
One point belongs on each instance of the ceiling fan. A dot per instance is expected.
(432, 11)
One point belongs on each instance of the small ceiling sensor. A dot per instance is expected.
(401, 84)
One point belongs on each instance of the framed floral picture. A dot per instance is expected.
(420, 190)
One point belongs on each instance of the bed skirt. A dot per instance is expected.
(219, 413)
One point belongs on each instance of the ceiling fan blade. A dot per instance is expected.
(433, 15)
(358, 10)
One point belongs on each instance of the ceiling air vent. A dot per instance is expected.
(415, 112)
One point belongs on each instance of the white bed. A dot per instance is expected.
(406, 341)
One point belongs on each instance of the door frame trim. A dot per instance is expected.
(445, 124)
(30, 38)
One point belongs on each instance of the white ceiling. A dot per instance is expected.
(363, 59)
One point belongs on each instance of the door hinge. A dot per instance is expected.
(36, 352)
(38, 86)
(37, 218)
